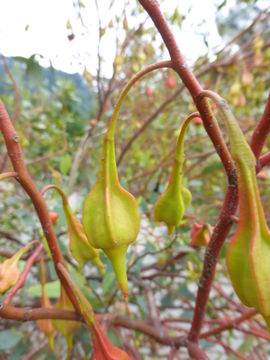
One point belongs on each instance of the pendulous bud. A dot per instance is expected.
(103, 349)
(45, 325)
(172, 204)
(65, 328)
(79, 246)
(54, 217)
(9, 271)
(200, 234)
(111, 217)
(248, 253)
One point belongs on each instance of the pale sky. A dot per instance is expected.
(47, 33)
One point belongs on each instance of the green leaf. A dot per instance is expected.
(142, 304)
(205, 344)
(167, 300)
(183, 291)
(223, 251)
(52, 288)
(113, 338)
(9, 338)
(33, 68)
(247, 345)
(65, 164)
(21, 348)
(212, 167)
(108, 282)
(77, 276)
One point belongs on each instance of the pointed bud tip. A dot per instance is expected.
(51, 342)
(117, 257)
(170, 229)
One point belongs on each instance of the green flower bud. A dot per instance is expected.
(45, 325)
(111, 217)
(65, 328)
(79, 246)
(172, 204)
(248, 253)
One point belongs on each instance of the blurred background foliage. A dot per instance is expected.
(61, 123)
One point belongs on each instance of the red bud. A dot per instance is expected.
(197, 121)
(148, 91)
(54, 217)
(170, 82)
(200, 234)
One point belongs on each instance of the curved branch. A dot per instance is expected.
(32, 314)
(229, 324)
(7, 175)
(162, 64)
(191, 83)
(29, 314)
(15, 154)
(263, 161)
(224, 222)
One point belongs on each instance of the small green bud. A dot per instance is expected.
(79, 246)
(45, 325)
(65, 328)
(172, 204)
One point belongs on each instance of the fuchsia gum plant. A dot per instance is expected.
(111, 222)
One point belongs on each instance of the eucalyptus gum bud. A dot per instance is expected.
(79, 246)
(45, 325)
(172, 204)
(200, 234)
(103, 349)
(9, 271)
(248, 253)
(111, 217)
(66, 328)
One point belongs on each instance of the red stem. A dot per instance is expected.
(24, 178)
(229, 207)
(261, 130)
(195, 351)
(32, 314)
(228, 349)
(190, 82)
(230, 203)
(230, 324)
(263, 160)
(255, 332)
